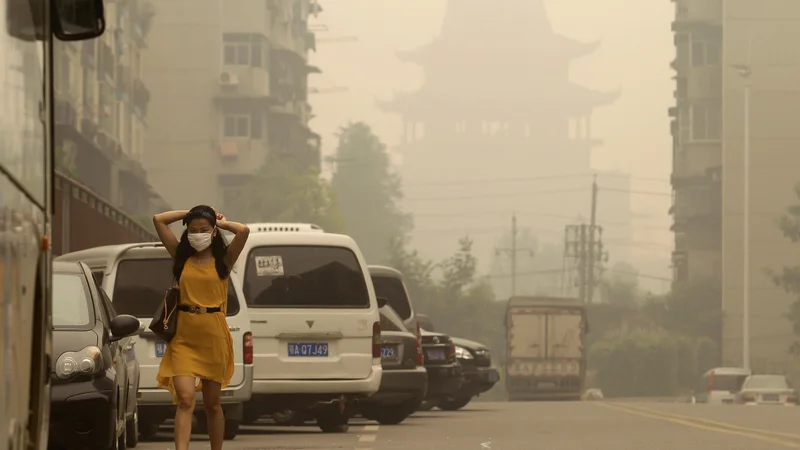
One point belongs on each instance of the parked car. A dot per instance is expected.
(91, 382)
(767, 390)
(389, 284)
(136, 276)
(405, 380)
(315, 321)
(445, 376)
(720, 385)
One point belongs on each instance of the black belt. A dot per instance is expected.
(198, 309)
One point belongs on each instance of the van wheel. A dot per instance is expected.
(132, 431)
(231, 429)
(331, 420)
(453, 403)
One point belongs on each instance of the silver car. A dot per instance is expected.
(766, 390)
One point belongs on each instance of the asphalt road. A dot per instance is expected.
(603, 425)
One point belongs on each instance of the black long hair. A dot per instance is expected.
(219, 247)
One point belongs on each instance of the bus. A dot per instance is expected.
(26, 192)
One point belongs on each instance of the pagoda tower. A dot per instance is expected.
(497, 103)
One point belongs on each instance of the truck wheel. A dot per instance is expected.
(392, 416)
(331, 420)
(453, 403)
(231, 429)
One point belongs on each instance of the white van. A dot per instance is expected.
(315, 322)
(721, 385)
(136, 277)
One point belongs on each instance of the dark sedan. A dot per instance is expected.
(89, 396)
(479, 375)
(405, 380)
(445, 376)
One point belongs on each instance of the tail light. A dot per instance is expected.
(248, 348)
(420, 359)
(451, 351)
(792, 398)
(748, 398)
(376, 340)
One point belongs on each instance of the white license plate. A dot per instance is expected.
(161, 347)
(436, 355)
(388, 353)
(308, 349)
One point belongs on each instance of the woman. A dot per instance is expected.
(202, 348)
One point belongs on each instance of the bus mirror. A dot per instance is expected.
(78, 20)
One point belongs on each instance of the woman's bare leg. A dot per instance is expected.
(216, 420)
(184, 388)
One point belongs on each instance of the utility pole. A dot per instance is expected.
(745, 71)
(512, 253)
(591, 255)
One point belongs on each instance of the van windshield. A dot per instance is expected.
(304, 277)
(394, 292)
(141, 284)
(730, 383)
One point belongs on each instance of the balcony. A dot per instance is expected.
(704, 82)
(244, 83)
(694, 14)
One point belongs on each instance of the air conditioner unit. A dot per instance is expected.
(228, 79)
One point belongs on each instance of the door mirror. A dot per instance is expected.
(382, 301)
(78, 20)
(123, 326)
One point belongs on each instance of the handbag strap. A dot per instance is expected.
(167, 312)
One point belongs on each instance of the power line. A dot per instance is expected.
(539, 178)
(629, 191)
(474, 197)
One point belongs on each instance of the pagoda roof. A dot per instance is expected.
(512, 29)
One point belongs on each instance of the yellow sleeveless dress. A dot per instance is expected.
(202, 347)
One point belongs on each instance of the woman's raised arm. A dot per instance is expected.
(162, 222)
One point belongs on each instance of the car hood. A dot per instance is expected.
(71, 341)
(472, 345)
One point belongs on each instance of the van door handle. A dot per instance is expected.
(318, 335)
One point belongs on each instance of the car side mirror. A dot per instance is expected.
(382, 301)
(78, 20)
(123, 326)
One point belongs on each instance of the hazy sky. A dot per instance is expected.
(635, 53)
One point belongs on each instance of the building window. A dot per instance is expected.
(706, 122)
(243, 50)
(705, 53)
(237, 126)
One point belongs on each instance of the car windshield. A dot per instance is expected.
(71, 301)
(141, 284)
(304, 277)
(766, 382)
(393, 290)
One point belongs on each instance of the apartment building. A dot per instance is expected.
(101, 109)
(722, 46)
(229, 87)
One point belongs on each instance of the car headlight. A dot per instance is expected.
(88, 361)
(462, 353)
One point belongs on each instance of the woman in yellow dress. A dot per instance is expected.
(200, 356)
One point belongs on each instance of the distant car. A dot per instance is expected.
(767, 390)
(479, 375)
(720, 385)
(405, 380)
(91, 405)
(445, 376)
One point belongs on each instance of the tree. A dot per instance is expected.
(621, 287)
(369, 192)
(282, 191)
(789, 277)
(692, 308)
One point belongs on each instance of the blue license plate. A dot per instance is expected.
(493, 377)
(388, 353)
(161, 347)
(436, 355)
(310, 349)
(770, 397)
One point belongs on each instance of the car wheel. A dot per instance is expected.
(132, 431)
(453, 403)
(391, 416)
(290, 418)
(331, 420)
(427, 405)
(231, 429)
(148, 429)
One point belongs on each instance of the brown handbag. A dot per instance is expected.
(165, 319)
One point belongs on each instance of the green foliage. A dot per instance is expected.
(282, 191)
(369, 192)
(692, 308)
(788, 278)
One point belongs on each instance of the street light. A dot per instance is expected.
(745, 72)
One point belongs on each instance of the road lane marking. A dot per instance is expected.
(371, 428)
(714, 422)
(367, 438)
(700, 426)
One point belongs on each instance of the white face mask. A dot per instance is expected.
(200, 241)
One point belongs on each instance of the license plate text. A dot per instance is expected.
(308, 349)
(161, 347)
